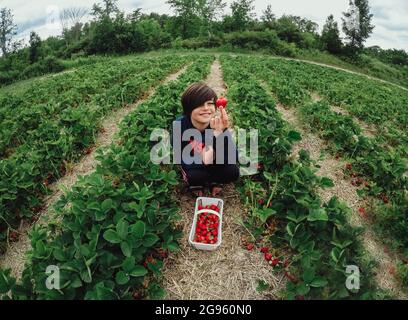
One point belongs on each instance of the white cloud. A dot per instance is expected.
(389, 16)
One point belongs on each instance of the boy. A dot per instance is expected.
(200, 132)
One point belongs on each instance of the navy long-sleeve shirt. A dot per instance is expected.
(193, 137)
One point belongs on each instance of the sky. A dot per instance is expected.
(390, 16)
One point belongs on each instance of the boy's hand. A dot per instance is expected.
(208, 155)
(219, 124)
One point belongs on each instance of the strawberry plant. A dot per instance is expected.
(25, 175)
(115, 219)
(316, 234)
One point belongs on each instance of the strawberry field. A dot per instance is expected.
(115, 229)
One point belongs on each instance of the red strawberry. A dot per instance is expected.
(275, 262)
(268, 256)
(264, 250)
(250, 247)
(261, 202)
(362, 212)
(221, 102)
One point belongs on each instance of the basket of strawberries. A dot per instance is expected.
(206, 230)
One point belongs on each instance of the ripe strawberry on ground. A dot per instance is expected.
(261, 202)
(250, 247)
(275, 262)
(268, 256)
(264, 250)
(362, 212)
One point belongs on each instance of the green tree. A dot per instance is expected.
(187, 16)
(268, 17)
(242, 14)
(331, 36)
(7, 30)
(209, 10)
(106, 9)
(357, 24)
(288, 30)
(34, 50)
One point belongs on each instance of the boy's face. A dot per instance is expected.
(204, 113)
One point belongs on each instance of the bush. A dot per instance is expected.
(7, 77)
(48, 65)
(256, 40)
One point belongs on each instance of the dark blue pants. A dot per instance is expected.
(217, 173)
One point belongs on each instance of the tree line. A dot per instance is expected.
(194, 24)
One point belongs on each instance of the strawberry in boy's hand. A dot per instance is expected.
(221, 102)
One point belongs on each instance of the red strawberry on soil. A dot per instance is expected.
(268, 256)
(250, 247)
(264, 250)
(275, 262)
(362, 212)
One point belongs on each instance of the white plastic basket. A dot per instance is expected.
(204, 201)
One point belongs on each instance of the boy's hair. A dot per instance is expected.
(195, 96)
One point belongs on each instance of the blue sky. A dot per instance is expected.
(390, 17)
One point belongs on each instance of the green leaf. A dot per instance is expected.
(129, 264)
(318, 282)
(59, 254)
(150, 239)
(326, 183)
(335, 254)
(308, 275)
(173, 246)
(107, 204)
(111, 236)
(94, 206)
(86, 275)
(317, 215)
(138, 271)
(264, 214)
(139, 229)
(302, 289)
(290, 228)
(122, 229)
(103, 293)
(122, 278)
(262, 286)
(294, 136)
(126, 248)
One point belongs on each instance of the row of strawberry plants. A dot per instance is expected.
(293, 82)
(21, 113)
(368, 100)
(383, 165)
(384, 168)
(117, 222)
(25, 175)
(284, 209)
